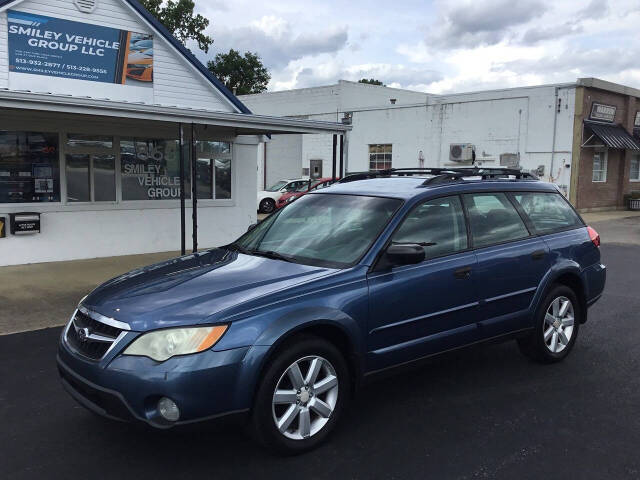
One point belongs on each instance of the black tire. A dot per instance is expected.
(535, 346)
(263, 424)
(268, 205)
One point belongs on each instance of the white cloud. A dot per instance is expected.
(433, 45)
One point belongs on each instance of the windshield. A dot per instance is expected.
(324, 230)
(276, 187)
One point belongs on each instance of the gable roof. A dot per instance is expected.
(162, 30)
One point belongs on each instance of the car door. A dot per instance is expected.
(511, 262)
(416, 310)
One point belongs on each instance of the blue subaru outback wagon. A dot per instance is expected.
(379, 270)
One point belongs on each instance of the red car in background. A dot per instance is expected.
(316, 184)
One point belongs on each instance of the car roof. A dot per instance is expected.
(406, 187)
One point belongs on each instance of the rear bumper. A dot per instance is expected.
(204, 386)
(594, 278)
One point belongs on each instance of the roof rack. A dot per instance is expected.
(443, 175)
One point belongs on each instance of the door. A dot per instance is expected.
(315, 171)
(416, 310)
(511, 263)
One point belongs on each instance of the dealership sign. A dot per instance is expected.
(52, 47)
(603, 113)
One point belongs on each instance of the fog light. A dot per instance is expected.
(168, 409)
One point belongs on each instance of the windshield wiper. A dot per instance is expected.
(272, 254)
(239, 248)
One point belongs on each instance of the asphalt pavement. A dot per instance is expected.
(481, 413)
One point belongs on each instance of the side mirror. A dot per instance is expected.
(405, 254)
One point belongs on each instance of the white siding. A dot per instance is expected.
(4, 52)
(510, 121)
(176, 82)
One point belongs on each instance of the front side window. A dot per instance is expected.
(325, 230)
(213, 170)
(380, 156)
(151, 169)
(438, 225)
(634, 174)
(599, 167)
(29, 167)
(548, 212)
(493, 219)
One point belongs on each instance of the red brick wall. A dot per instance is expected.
(610, 193)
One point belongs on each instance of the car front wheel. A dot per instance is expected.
(267, 205)
(301, 396)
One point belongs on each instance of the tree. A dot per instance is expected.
(178, 17)
(240, 74)
(371, 81)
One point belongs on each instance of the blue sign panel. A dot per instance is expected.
(40, 45)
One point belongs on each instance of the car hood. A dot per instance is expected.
(196, 288)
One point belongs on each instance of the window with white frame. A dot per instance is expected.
(380, 156)
(599, 167)
(634, 174)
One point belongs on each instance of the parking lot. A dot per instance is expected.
(480, 413)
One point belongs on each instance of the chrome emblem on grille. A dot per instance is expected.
(83, 334)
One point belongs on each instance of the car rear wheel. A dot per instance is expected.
(267, 205)
(557, 322)
(301, 396)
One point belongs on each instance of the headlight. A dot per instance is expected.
(164, 344)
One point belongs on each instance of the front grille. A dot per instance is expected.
(90, 337)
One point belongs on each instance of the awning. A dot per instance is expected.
(613, 136)
(242, 123)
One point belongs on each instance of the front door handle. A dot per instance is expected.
(538, 255)
(464, 272)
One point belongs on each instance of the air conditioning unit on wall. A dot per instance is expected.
(461, 152)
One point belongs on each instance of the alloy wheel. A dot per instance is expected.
(558, 324)
(305, 397)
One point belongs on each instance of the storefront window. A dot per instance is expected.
(213, 170)
(81, 169)
(151, 169)
(94, 141)
(29, 167)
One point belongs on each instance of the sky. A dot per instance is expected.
(432, 46)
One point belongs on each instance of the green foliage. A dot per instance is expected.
(371, 81)
(180, 20)
(240, 74)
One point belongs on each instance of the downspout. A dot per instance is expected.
(553, 142)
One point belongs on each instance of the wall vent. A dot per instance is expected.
(86, 6)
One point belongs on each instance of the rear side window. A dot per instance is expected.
(438, 225)
(493, 219)
(548, 212)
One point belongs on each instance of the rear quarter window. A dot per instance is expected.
(548, 212)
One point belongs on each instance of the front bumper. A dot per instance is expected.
(124, 387)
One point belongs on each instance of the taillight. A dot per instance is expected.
(593, 236)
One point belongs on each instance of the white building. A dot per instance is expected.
(94, 95)
(531, 127)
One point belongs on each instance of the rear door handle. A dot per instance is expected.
(538, 255)
(464, 272)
